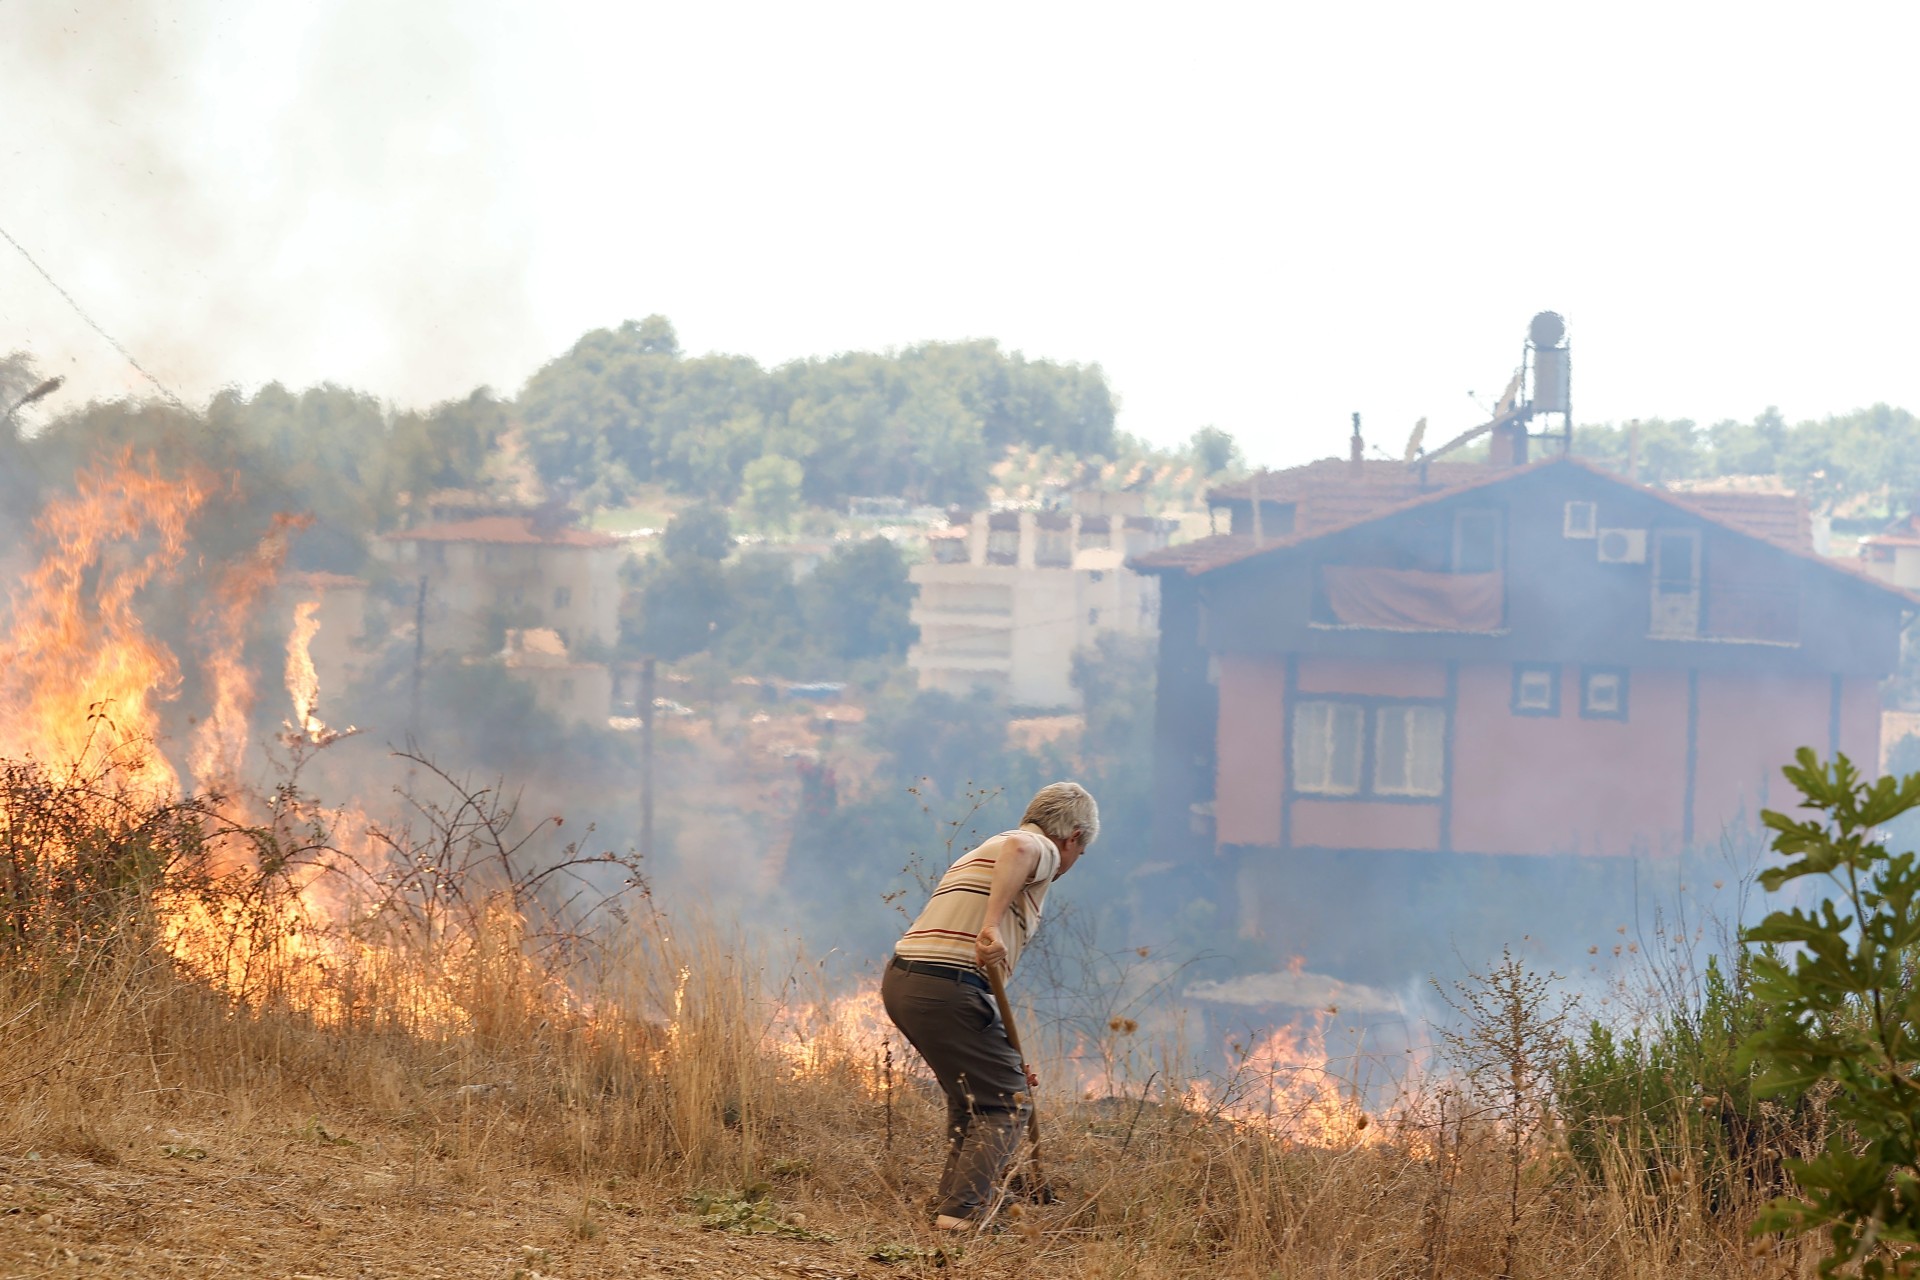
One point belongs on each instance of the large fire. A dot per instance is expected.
(79, 675)
(324, 912)
(290, 903)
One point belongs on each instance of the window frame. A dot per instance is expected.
(1551, 670)
(1369, 712)
(1410, 711)
(1587, 674)
(1584, 531)
(1333, 707)
(1470, 515)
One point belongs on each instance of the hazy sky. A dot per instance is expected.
(1261, 217)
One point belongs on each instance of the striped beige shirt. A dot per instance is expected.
(946, 928)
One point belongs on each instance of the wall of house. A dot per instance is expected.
(1186, 708)
(1696, 756)
(1568, 783)
(473, 588)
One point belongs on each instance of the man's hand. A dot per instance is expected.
(988, 951)
(1033, 1081)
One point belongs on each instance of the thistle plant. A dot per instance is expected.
(1838, 984)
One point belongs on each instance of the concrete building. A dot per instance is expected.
(575, 692)
(489, 574)
(1008, 596)
(1893, 555)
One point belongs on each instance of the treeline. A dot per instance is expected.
(626, 406)
(1864, 464)
(754, 614)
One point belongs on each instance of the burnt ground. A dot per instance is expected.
(175, 1206)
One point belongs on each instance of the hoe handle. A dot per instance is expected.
(1013, 1038)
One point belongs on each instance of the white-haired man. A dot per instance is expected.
(982, 915)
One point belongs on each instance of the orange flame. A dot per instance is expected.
(220, 741)
(79, 675)
(303, 682)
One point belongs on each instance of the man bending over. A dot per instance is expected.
(982, 914)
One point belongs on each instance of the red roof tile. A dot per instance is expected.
(1329, 497)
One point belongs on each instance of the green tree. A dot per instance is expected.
(856, 604)
(685, 607)
(701, 532)
(766, 636)
(1838, 982)
(1214, 450)
(447, 447)
(770, 491)
(1670, 449)
(1749, 448)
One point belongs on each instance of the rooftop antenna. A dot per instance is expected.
(1414, 440)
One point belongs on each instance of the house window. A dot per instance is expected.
(1409, 751)
(1327, 746)
(1093, 617)
(562, 597)
(1476, 541)
(1536, 689)
(1053, 547)
(1392, 750)
(1582, 520)
(1676, 583)
(1603, 693)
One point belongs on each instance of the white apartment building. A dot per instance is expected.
(1008, 596)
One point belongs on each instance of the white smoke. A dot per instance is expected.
(246, 192)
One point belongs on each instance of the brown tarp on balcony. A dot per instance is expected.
(1414, 599)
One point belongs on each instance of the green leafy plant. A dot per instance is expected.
(1674, 1099)
(1839, 982)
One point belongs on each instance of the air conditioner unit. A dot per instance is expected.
(1621, 546)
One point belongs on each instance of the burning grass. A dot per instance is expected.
(490, 1012)
(450, 1005)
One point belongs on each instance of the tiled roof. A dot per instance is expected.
(1331, 498)
(321, 580)
(518, 530)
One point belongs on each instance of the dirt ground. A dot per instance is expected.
(173, 1206)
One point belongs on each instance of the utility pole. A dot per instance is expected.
(419, 658)
(646, 756)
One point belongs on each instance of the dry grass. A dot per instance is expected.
(523, 1090)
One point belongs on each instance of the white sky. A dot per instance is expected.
(1261, 217)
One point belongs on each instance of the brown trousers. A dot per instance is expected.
(957, 1029)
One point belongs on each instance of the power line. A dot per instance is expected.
(80, 311)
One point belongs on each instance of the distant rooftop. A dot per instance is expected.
(511, 530)
(1335, 494)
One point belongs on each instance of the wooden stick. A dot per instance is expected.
(1013, 1038)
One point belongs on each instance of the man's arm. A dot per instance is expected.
(1014, 863)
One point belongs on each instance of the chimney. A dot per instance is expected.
(1357, 450)
(1508, 445)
